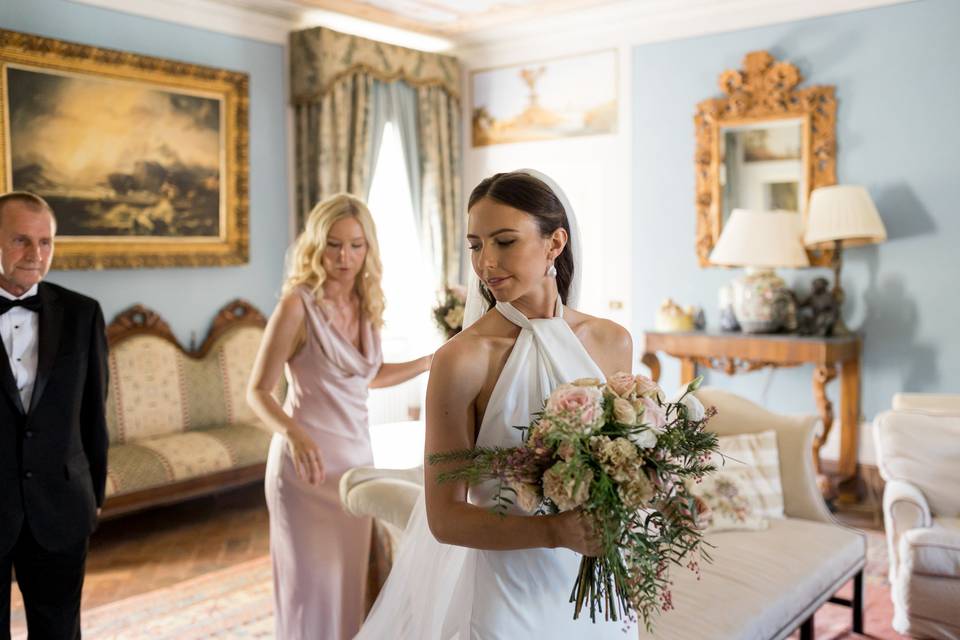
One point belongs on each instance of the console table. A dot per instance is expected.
(741, 352)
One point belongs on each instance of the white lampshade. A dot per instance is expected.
(845, 213)
(760, 239)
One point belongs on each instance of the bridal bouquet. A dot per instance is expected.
(625, 456)
(448, 314)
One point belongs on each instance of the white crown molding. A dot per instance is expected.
(265, 20)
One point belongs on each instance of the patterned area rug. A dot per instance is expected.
(232, 603)
(238, 603)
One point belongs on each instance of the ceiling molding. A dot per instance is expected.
(622, 23)
(628, 23)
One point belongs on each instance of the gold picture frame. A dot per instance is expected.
(763, 93)
(144, 160)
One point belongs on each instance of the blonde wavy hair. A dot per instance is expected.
(306, 267)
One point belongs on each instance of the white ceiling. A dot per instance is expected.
(443, 18)
(488, 29)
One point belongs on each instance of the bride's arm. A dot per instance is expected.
(456, 378)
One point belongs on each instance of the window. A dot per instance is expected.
(408, 330)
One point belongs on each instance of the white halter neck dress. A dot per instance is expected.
(443, 592)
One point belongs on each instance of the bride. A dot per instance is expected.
(463, 572)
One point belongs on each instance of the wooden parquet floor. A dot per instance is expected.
(161, 547)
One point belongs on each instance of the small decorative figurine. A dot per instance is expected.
(817, 313)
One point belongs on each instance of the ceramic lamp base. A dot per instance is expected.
(761, 301)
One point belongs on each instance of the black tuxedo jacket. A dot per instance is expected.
(53, 454)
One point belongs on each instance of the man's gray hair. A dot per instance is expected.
(30, 200)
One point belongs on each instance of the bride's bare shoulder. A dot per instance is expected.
(466, 358)
(608, 343)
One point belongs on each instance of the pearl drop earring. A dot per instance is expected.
(552, 271)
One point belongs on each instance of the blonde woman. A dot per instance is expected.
(326, 332)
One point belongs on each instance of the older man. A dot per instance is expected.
(53, 435)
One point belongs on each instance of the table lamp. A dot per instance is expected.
(842, 216)
(761, 241)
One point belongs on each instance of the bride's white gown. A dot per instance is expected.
(443, 592)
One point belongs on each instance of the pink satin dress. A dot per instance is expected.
(319, 552)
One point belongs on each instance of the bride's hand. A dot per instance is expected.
(307, 460)
(577, 531)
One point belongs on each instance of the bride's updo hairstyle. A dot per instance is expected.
(536, 199)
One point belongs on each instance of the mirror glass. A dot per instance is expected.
(761, 167)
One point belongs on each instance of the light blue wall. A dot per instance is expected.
(896, 71)
(187, 298)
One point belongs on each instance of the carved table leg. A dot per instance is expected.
(652, 363)
(821, 376)
(849, 426)
(688, 370)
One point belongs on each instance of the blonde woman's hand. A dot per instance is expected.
(576, 530)
(307, 459)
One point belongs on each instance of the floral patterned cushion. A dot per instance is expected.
(155, 389)
(160, 460)
(745, 491)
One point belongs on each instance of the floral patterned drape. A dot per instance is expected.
(331, 79)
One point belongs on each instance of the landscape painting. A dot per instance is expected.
(143, 160)
(572, 96)
(116, 159)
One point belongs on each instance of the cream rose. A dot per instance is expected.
(622, 384)
(647, 387)
(454, 317)
(623, 412)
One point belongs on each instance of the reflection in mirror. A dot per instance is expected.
(761, 167)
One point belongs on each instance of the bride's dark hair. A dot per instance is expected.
(533, 197)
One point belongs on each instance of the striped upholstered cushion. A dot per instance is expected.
(157, 461)
(155, 389)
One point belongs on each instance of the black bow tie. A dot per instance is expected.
(32, 303)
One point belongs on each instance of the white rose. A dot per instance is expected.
(645, 439)
(695, 410)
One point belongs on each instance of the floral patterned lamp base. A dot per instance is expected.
(762, 303)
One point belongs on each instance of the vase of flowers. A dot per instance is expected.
(448, 314)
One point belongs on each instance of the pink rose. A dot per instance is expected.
(583, 404)
(647, 387)
(622, 384)
(654, 416)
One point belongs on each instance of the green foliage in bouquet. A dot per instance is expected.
(624, 456)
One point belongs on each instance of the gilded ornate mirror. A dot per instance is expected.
(765, 145)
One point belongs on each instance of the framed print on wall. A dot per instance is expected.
(570, 96)
(143, 160)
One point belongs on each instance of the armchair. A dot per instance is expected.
(918, 447)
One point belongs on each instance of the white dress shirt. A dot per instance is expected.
(20, 331)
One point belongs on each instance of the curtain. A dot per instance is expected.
(440, 150)
(333, 141)
(344, 89)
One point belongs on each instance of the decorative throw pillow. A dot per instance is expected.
(745, 490)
